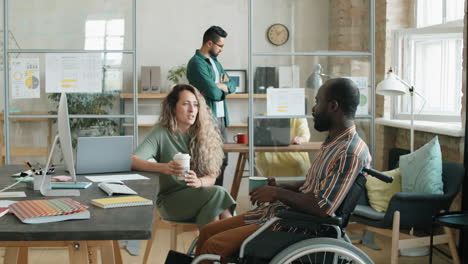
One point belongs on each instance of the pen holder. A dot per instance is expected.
(37, 182)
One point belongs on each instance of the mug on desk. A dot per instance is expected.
(255, 182)
(241, 138)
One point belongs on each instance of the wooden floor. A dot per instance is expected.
(161, 247)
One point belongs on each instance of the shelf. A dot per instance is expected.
(139, 125)
(151, 125)
(163, 95)
(237, 126)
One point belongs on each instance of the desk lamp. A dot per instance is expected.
(394, 85)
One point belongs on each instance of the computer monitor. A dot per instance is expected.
(64, 136)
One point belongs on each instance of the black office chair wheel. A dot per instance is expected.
(322, 250)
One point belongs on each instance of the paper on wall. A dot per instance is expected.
(74, 73)
(25, 78)
(286, 101)
(362, 85)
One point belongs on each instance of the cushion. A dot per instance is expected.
(421, 171)
(380, 192)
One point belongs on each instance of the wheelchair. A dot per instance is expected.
(304, 238)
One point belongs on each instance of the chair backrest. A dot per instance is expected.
(452, 173)
(350, 201)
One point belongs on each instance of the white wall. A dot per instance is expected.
(169, 32)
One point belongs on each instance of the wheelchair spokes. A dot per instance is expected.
(321, 251)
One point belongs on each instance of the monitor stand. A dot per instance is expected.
(44, 180)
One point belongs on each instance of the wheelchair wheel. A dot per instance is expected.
(322, 250)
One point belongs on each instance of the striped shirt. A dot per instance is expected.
(330, 176)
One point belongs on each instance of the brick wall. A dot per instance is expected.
(349, 31)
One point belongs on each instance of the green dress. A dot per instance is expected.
(176, 201)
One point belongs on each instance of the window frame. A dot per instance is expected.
(402, 57)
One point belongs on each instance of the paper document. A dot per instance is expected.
(12, 194)
(4, 206)
(25, 78)
(73, 73)
(285, 101)
(120, 177)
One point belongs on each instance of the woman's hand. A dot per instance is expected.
(192, 180)
(173, 168)
(298, 140)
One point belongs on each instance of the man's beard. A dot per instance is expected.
(212, 53)
(321, 123)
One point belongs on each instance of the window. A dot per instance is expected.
(107, 35)
(430, 57)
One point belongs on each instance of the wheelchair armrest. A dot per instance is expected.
(296, 215)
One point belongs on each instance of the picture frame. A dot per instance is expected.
(239, 77)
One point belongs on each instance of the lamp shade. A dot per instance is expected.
(391, 86)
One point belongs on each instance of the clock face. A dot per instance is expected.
(278, 34)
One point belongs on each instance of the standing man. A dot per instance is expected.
(207, 75)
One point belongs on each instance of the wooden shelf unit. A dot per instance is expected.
(163, 95)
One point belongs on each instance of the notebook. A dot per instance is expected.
(121, 202)
(104, 154)
(46, 211)
(115, 187)
(272, 132)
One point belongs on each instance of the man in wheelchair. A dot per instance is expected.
(341, 158)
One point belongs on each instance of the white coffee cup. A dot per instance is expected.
(184, 160)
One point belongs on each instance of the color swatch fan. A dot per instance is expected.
(46, 211)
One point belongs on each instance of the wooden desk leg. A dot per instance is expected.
(16, 255)
(117, 253)
(78, 252)
(109, 255)
(92, 255)
(238, 174)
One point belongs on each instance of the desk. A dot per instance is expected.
(82, 237)
(243, 150)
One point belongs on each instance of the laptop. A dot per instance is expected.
(104, 154)
(272, 132)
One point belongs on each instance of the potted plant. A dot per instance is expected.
(91, 104)
(177, 74)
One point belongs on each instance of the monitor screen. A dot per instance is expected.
(63, 126)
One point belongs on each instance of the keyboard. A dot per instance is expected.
(70, 185)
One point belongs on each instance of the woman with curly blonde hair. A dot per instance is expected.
(186, 126)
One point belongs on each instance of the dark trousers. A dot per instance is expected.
(222, 129)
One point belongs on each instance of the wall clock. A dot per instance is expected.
(278, 34)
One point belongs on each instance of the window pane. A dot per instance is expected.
(95, 28)
(427, 72)
(115, 27)
(113, 58)
(454, 9)
(114, 43)
(429, 12)
(94, 43)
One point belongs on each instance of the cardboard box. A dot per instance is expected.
(145, 79)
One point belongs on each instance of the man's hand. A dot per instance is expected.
(272, 181)
(222, 87)
(264, 194)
